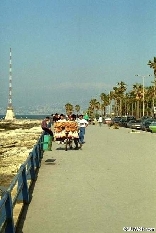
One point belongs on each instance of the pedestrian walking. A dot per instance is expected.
(100, 120)
(82, 123)
(86, 117)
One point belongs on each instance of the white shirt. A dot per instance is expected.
(100, 119)
(82, 123)
(61, 120)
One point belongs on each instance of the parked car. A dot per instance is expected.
(129, 124)
(108, 120)
(122, 122)
(134, 124)
(143, 118)
(145, 124)
(152, 127)
(125, 119)
(116, 120)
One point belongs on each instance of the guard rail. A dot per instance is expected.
(19, 189)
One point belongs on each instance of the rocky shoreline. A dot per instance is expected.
(17, 139)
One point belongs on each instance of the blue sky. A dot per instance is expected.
(73, 50)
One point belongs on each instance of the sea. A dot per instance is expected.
(30, 117)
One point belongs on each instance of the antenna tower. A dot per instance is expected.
(10, 113)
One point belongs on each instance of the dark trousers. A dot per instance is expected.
(48, 131)
(76, 141)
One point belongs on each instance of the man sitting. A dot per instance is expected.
(46, 126)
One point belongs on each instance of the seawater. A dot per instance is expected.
(37, 117)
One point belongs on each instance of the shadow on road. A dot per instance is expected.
(24, 210)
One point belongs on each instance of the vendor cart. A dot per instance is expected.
(65, 132)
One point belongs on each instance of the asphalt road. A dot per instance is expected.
(108, 185)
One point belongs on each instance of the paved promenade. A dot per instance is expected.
(109, 184)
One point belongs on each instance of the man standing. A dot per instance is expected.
(46, 126)
(82, 123)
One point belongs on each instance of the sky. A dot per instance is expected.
(73, 50)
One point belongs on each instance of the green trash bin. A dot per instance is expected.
(47, 143)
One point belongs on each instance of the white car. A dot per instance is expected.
(108, 120)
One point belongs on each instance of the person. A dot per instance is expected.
(51, 119)
(62, 118)
(76, 140)
(86, 117)
(100, 120)
(95, 121)
(56, 117)
(46, 126)
(82, 123)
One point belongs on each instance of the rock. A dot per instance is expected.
(17, 141)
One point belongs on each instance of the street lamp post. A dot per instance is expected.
(143, 94)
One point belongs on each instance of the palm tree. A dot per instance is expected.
(130, 102)
(77, 108)
(94, 105)
(152, 64)
(118, 96)
(125, 104)
(69, 108)
(97, 107)
(122, 88)
(138, 92)
(103, 109)
(112, 97)
(90, 112)
(105, 101)
(149, 99)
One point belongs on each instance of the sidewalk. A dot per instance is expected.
(109, 184)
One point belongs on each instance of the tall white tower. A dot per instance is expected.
(10, 112)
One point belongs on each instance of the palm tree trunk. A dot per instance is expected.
(104, 112)
(120, 106)
(153, 107)
(125, 109)
(137, 110)
(132, 109)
